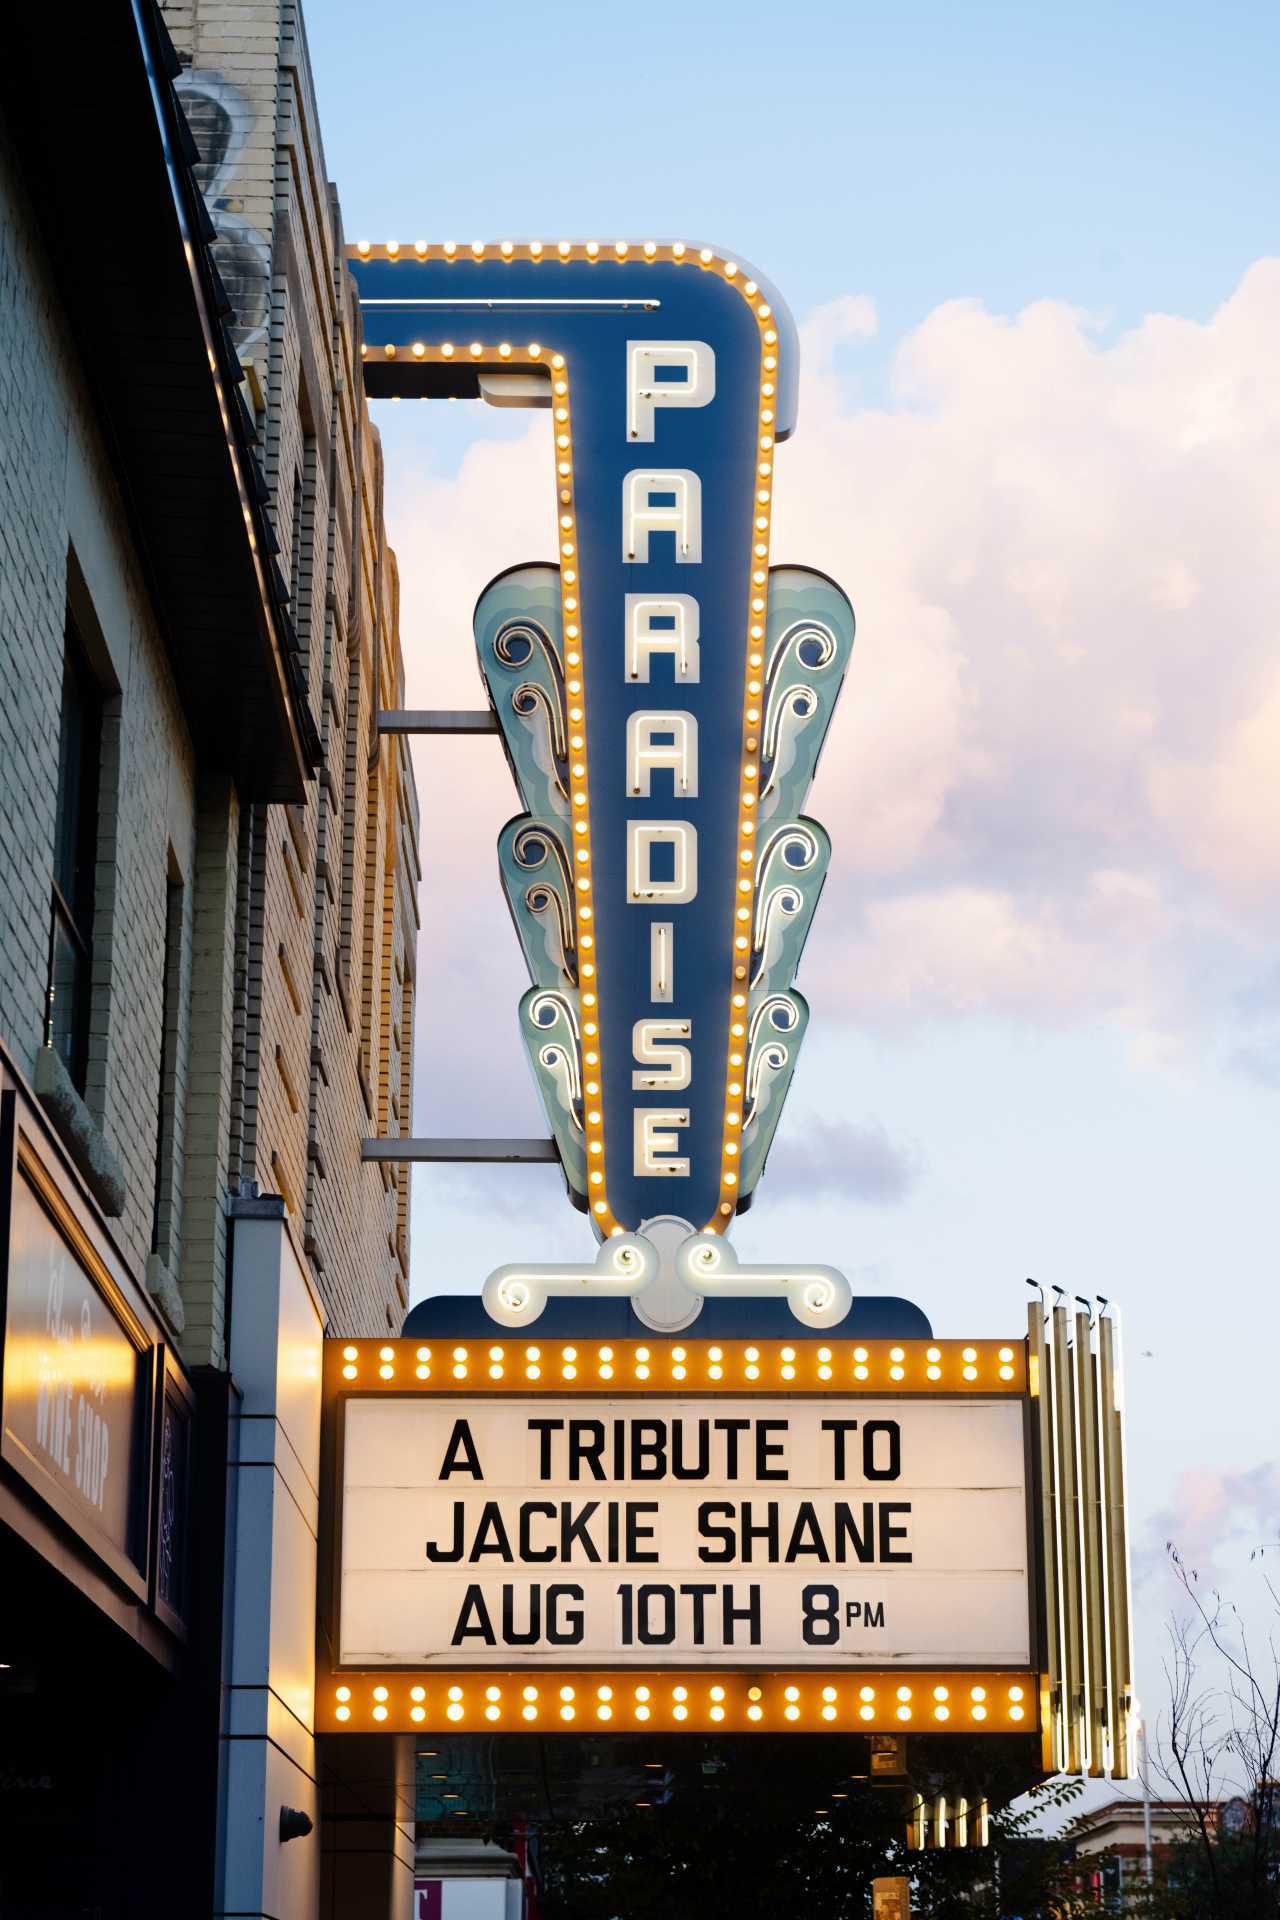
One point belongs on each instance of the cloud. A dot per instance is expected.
(1050, 783)
(839, 1158)
(1215, 1514)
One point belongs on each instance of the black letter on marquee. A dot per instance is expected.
(544, 1430)
(839, 1428)
(888, 1533)
(473, 1603)
(568, 1634)
(869, 1467)
(461, 1443)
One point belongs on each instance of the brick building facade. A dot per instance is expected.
(208, 920)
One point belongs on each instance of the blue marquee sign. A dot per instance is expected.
(663, 693)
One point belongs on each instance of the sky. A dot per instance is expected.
(1033, 254)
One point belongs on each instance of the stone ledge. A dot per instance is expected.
(163, 1289)
(80, 1132)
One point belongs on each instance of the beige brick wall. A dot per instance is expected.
(291, 1022)
(63, 530)
(327, 891)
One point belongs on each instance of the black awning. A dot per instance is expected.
(107, 157)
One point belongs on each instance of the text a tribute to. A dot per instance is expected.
(610, 1532)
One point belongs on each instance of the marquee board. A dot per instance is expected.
(755, 1537)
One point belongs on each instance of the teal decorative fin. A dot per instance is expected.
(539, 890)
(808, 641)
(791, 867)
(552, 1039)
(775, 1033)
(518, 635)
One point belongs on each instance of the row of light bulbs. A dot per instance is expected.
(460, 1360)
(754, 686)
(604, 1702)
(564, 250)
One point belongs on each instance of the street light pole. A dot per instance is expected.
(1146, 1800)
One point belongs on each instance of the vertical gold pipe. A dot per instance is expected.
(1116, 1547)
(1092, 1584)
(1067, 1529)
(1044, 1511)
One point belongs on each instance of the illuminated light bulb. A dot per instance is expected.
(828, 1713)
(351, 1353)
(788, 1353)
(941, 1693)
(860, 1373)
(829, 1693)
(568, 1353)
(791, 1693)
(390, 350)
(977, 1693)
(424, 1353)
(349, 1373)
(418, 349)
(1006, 1353)
(379, 1713)
(934, 1373)
(386, 1372)
(866, 1713)
(571, 1372)
(417, 1693)
(604, 1713)
(447, 349)
(866, 1693)
(970, 1373)
(386, 1353)
(1016, 1713)
(493, 1713)
(979, 1713)
(753, 1353)
(755, 1713)
(678, 1373)
(679, 250)
(824, 1353)
(970, 1353)
(459, 1372)
(535, 248)
(533, 1373)
(563, 249)
(705, 256)
(942, 1713)
(650, 248)
(765, 311)
(904, 1713)
(495, 1373)
(621, 248)
(567, 1693)
(606, 1371)
(1006, 1373)
(460, 1353)
(904, 1693)
(715, 1373)
(450, 248)
(792, 1713)
(529, 1713)
(504, 350)
(380, 1693)
(1015, 1693)
(477, 248)
(896, 1373)
(730, 269)
(343, 1693)
(475, 349)
(753, 1373)
(495, 1353)
(362, 246)
(680, 1713)
(507, 249)
(642, 1373)
(824, 1373)
(593, 248)
(896, 1353)
(717, 1713)
(568, 1713)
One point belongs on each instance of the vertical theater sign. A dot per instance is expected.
(631, 1496)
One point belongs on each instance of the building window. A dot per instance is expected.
(75, 857)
